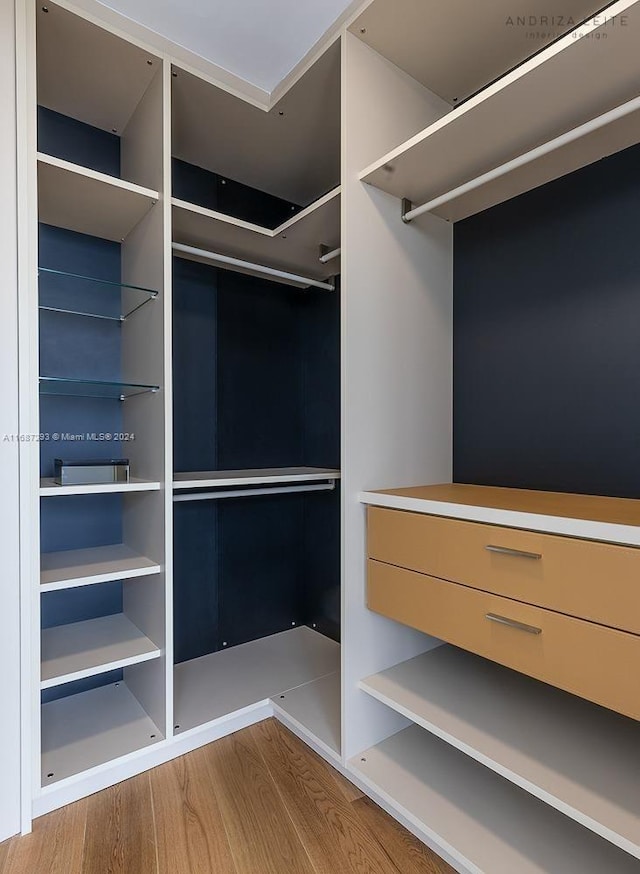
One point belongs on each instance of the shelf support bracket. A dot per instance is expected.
(407, 206)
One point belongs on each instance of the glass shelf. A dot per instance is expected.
(92, 388)
(74, 294)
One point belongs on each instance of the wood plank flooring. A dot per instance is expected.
(256, 802)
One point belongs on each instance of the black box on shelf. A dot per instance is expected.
(91, 471)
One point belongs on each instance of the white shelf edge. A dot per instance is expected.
(586, 529)
(553, 800)
(105, 178)
(254, 477)
(48, 487)
(220, 217)
(86, 564)
(95, 629)
(305, 728)
(214, 215)
(564, 43)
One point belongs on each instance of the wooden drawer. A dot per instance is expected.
(583, 578)
(592, 661)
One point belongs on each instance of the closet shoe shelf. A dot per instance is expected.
(573, 755)
(79, 199)
(208, 479)
(294, 246)
(92, 388)
(481, 820)
(49, 487)
(84, 649)
(315, 709)
(61, 292)
(87, 730)
(71, 568)
(438, 159)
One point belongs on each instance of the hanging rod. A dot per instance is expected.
(244, 493)
(410, 212)
(326, 255)
(268, 272)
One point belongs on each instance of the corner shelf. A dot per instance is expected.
(293, 246)
(83, 200)
(71, 288)
(567, 84)
(481, 820)
(90, 729)
(49, 487)
(93, 388)
(213, 686)
(95, 646)
(206, 479)
(86, 567)
(573, 755)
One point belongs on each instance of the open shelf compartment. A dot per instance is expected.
(91, 729)
(479, 819)
(96, 646)
(575, 756)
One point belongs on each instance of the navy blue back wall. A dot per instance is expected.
(256, 376)
(79, 347)
(546, 348)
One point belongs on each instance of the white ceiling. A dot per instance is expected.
(258, 40)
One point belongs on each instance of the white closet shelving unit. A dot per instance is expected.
(389, 707)
(476, 760)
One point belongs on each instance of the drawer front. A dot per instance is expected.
(594, 662)
(595, 581)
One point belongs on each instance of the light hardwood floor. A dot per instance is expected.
(256, 802)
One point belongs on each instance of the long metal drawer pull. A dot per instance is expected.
(518, 553)
(519, 626)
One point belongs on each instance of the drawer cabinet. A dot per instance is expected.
(589, 660)
(596, 581)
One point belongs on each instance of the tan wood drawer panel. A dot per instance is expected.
(583, 578)
(592, 661)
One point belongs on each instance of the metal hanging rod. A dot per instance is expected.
(247, 266)
(410, 212)
(251, 493)
(328, 255)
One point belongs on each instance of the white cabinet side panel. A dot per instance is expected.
(9, 508)
(397, 360)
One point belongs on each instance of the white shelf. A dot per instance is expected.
(91, 729)
(293, 246)
(84, 649)
(485, 823)
(206, 479)
(49, 487)
(314, 710)
(579, 758)
(224, 682)
(87, 567)
(567, 84)
(83, 200)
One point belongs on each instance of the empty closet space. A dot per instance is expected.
(535, 165)
(256, 402)
(101, 372)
